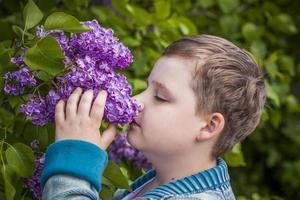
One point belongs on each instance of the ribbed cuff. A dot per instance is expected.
(77, 158)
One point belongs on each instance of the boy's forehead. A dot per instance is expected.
(173, 65)
(172, 72)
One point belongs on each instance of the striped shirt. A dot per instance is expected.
(210, 180)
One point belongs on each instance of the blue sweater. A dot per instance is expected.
(73, 169)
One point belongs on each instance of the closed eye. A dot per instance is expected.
(160, 99)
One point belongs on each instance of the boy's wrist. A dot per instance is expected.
(76, 158)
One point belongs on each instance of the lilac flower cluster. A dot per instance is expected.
(34, 182)
(35, 144)
(16, 82)
(92, 56)
(121, 149)
(39, 109)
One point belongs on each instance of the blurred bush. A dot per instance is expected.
(266, 166)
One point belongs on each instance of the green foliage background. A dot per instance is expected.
(266, 166)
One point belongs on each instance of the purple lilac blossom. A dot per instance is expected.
(119, 107)
(101, 45)
(121, 149)
(41, 110)
(16, 82)
(52, 99)
(18, 60)
(93, 56)
(36, 109)
(35, 144)
(34, 182)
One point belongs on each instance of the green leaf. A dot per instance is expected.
(185, 25)
(120, 6)
(139, 14)
(32, 15)
(44, 76)
(138, 84)
(32, 132)
(140, 64)
(131, 42)
(292, 104)
(47, 6)
(115, 175)
(271, 68)
(8, 176)
(46, 55)
(272, 95)
(285, 24)
(180, 6)
(162, 9)
(258, 48)
(65, 22)
(106, 192)
(20, 121)
(105, 181)
(21, 158)
(286, 63)
(229, 24)
(5, 33)
(207, 3)
(76, 4)
(5, 64)
(14, 101)
(276, 118)
(228, 6)
(6, 120)
(235, 157)
(19, 32)
(250, 32)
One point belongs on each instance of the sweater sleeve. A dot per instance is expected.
(75, 158)
(67, 187)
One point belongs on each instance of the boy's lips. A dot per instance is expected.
(135, 123)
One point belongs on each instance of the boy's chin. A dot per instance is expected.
(131, 139)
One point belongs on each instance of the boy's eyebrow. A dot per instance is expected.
(161, 86)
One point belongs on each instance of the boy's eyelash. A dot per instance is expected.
(159, 99)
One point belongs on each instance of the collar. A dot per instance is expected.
(216, 177)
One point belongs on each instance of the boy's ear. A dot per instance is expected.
(212, 128)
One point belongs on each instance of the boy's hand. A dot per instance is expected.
(82, 120)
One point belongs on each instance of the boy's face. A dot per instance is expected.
(167, 127)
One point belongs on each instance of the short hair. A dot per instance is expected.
(227, 80)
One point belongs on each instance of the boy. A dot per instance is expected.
(204, 95)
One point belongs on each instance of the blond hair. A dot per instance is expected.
(226, 80)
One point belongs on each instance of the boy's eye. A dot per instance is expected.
(159, 99)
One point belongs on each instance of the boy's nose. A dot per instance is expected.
(141, 108)
(141, 104)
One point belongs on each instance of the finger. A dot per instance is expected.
(60, 112)
(98, 106)
(71, 109)
(108, 136)
(85, 103)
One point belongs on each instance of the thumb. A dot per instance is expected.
(108, 136)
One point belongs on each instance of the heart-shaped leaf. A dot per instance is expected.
(63, 21)
(46, 55)
(21, 158)
(32, 15)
